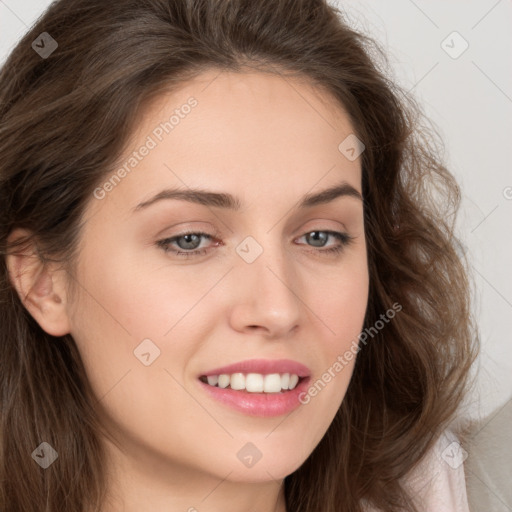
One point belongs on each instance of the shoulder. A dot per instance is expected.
(437, 483)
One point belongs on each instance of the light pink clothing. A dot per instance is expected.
(438, 483)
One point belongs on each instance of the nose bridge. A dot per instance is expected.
(269, 296)
(265, 256)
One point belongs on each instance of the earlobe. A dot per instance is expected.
(40, 289)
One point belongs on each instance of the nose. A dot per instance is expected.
(267, 296)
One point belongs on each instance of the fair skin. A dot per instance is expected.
(268, 141)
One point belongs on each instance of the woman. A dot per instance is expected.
(229, 276)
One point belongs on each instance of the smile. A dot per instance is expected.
(253, 382)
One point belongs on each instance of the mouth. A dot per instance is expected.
(260, 395)
(272, 383)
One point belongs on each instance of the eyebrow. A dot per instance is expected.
(227, 201)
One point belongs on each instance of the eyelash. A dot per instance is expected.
(344, 238)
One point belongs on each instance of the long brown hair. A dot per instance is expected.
(64, 120)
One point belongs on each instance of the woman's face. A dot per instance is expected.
(263, 283)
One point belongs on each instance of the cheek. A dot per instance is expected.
(342, 304)
(133, 298)
(122, 305)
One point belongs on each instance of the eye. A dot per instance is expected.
(190, 243)
(344, 239)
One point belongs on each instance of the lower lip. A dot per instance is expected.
(258, 404)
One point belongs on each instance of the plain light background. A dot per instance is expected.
(469, 98)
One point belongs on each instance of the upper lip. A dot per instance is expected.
(263, 366)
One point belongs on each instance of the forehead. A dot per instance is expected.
(250, 90)
(260, 111)
(241, 132)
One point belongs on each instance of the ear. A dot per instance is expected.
(40, 286)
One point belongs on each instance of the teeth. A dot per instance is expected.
(237, 381)
(223, 381)
(255, 382)
(293, 380)
(213, 379)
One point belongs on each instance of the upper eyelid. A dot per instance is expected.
(213, 232)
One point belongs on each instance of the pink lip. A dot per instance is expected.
(263, 366)
(259, 404)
